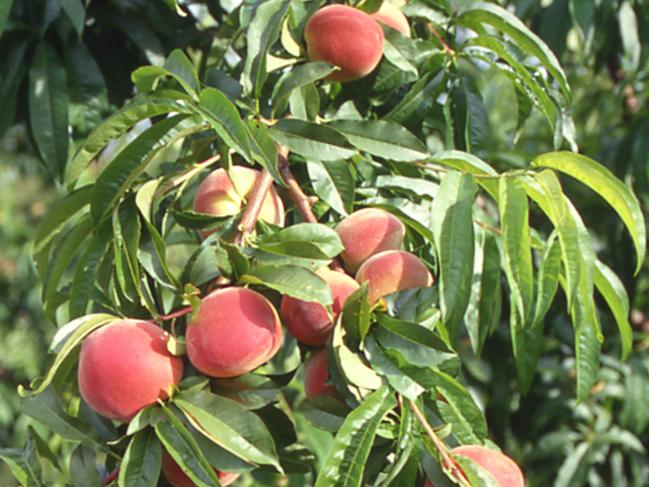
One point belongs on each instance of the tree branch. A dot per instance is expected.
(253, 207)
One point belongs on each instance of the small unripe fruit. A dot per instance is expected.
(345, 37)
(220, 195)
(502, 468)
(392, 16)
(367, 232)
(316, 375)
(309, 322)
(176, 477)
(234, 331)
(392, 271)
(125, 366)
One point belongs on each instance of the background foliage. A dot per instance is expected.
(599, 441)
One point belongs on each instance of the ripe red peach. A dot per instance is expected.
(392, 16)
(392, 271)
(367, 232)
(125, 366)
(223, 194)
(316, 375)
(176, 477)
(502, 468)
(309, 322)
(345, 37)
(234, 331)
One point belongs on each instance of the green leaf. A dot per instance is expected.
(142, 460)
(613, 292)
(13, 69)
(83, 467)
(470, 119)
(290, 280)
(5, 10)
(23, 463)
(297, 77)
(388, 140)
(115, 126)
(64, 342)
(122, 171)
(333, 183)
(514, 214)
(263, 31)
(604, 183)
(465, 162)
(181, 68)
(346, 460)
(224, 118)
(229, 425)
(313, 141)
(452, 216)
(307, 240)
(60, 212)
(355, 316)
(548, 279)
(487, 13)
(419, 99)
(76, 12)
(184, 450)
(48, 107)
(630, 34)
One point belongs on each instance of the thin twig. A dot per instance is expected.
(447, 461)
(433, 30)
(253, 207)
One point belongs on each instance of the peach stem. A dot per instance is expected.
(447, 460)
(175, 314)
(301, 200)
(255, 202)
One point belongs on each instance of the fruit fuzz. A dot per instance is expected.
(503, 469)
(125, 366)
(346, 37)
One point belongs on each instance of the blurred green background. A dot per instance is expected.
(602, 46)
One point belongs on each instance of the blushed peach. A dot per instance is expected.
(502, 468)
(234, 331)
(392, 16)
(345, 37)
(392, 271)
(178, 478)
(223, 194)
(316, 376)
(125, 366)
(367, 232)
(309, 322)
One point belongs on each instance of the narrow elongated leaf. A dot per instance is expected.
(307, 240)
(301, 75)
(333, 183)
(465, 162)
(76, 12)
(231, 426)
(263, 31)
(419, 99)
(13, 70)
(142, 460)
(83, 467)
(452, 226)
(74, 334)
(5, 10)
(355, 316)
(470, 119)
(179, 65)
(313, 141)
(23, 463)
(346, 460)
(604, 183)
(291, 280)
(117, 177)
(517, 247)
(505, 21)
(48, 107)
(113, 127)
(388, 140)
(612, 289)
(182, 447)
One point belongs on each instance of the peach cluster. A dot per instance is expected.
(350, 39)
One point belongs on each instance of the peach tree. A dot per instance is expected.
(273, 264)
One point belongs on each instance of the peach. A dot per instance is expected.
(391, 271)
(310, 322)
(234, 331)
(367, 232)
(220, 195)
(392, 16)
(316, 375)
(428, 483)
(125, 366)
(345, 37)
(502, 468)
(176, 477)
